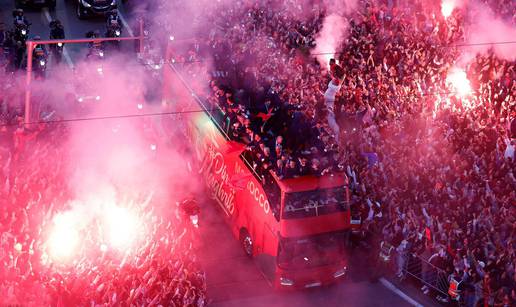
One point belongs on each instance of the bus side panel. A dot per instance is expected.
(208, 147)
(245, 206)
(216, 165)
(258, 218)
(258, 213)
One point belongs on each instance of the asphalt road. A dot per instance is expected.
(74, 28)
(234, 280)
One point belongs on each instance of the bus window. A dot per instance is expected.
(221, 118)
(271, 188)
(311, 251)
(273, 192)
(314, 203)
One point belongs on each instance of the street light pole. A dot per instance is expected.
(142, 36)
(28, 80)
(30, 46)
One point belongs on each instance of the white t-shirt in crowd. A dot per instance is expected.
(509, 151)
(330, 93)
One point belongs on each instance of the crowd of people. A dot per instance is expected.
(502, 8)
(35, 167)
(433, 169)
(11, 107)
(446, 173)
(162, 270)
(260, 107)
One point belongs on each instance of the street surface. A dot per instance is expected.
(74, 28)
(232, 278)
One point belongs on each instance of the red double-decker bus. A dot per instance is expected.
(295, 228)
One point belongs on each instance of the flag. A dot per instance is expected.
(239, 181)
(265, 116)
(372, 158)
(232, 147)
(428, 235)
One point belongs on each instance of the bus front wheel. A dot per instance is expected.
(247, 242)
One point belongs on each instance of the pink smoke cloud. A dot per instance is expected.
(486, 27)
(334, 30)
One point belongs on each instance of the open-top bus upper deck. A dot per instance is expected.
(295, 227)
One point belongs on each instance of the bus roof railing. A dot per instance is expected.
(297, 184)
(201, 103)
(210, 115)
(311, 182)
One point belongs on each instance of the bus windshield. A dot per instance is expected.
(313, 251)
(314, 203)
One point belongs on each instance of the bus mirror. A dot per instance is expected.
(275, 213)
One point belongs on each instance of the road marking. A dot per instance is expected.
(126, 25)
(387, 284)
(67, 57)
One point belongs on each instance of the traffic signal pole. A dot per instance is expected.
(28, 80)
(30, 48)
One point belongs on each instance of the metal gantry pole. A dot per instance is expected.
(28, 82)
(30, 45)
(141, 36)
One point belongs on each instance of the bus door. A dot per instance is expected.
(269, 237)
(267, 257)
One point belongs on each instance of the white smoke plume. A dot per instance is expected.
(334, 30)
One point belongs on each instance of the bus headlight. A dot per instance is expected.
(340, 273)
(195, 220)
(85, 4)
(286, 282)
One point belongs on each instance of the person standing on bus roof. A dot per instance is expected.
(329, 99)
(280, 169)
(304, 169)
(291, 169)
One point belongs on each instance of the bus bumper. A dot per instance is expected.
(310, 278)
